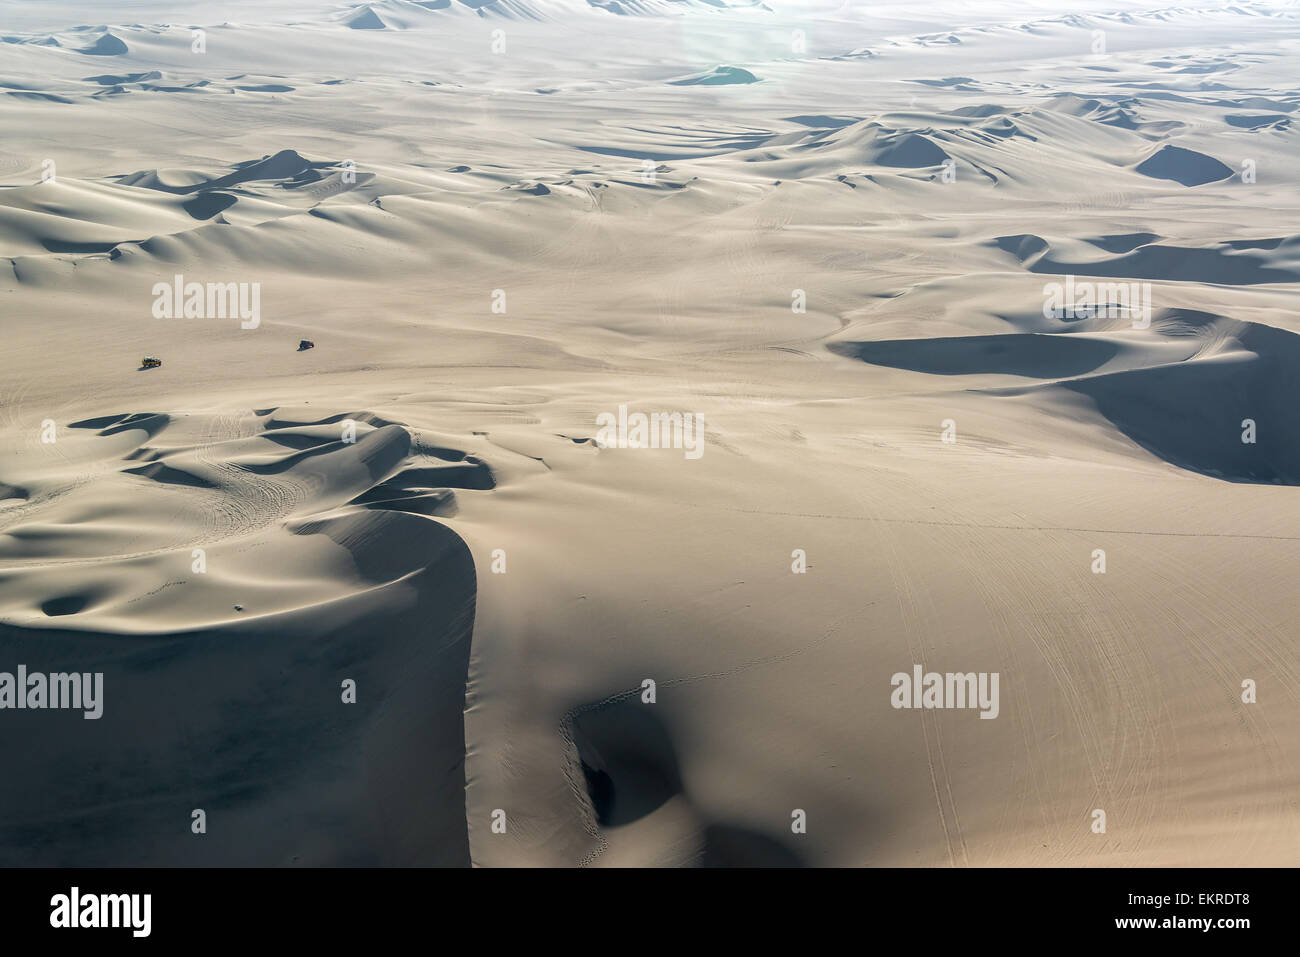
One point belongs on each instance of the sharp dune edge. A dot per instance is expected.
(494, 239)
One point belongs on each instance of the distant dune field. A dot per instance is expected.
(575, 432)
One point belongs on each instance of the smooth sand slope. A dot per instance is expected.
(830, 231)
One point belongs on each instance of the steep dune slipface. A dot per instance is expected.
(976, 324)
(228, 592)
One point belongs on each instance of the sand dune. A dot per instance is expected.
(1184, 166)
(1232, 262)
(956, 298)
(284, 579)
(106, 45)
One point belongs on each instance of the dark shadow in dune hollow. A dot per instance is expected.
(630, 767)
(628, 760)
